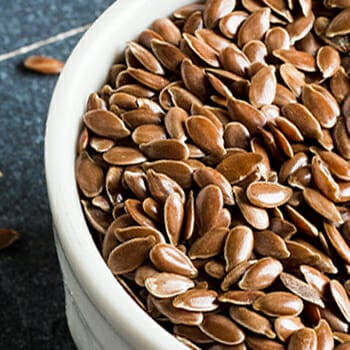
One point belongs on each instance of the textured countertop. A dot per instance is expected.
(31, 292)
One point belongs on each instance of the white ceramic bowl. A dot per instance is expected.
(101, 315)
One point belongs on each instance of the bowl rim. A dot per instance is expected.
(63, 123)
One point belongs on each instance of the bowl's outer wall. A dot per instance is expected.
(106, 310)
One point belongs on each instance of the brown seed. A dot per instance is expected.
(252, 321)
(282, 227)
(210, 244)
(89, 175)
(279, 304)
(341, 337)
(152, 209)
(233, 276)
(136, 90)
(173, 217)
(283, 95)
(300, 27)
(143, 272)
(216, 9)
(234, 60)
(148, 132)
(337, 165)
(202, 50)
(336, 322)
(110, 240)
(301, 289)
(167, 285)
(322, 205)
(303, 339)
(289, 129)
(106, 124)
(238, 246)
(122, 155)
(285, 326)
(146, 58)
(192, 333)
(324, 336)
(140, 117)
(316, 279)
(161, 186)
(135, 181)
(221, 329)
(240, 297)
(261, 343)
(7, 237)
(277, 38)
(165, 149)
(343, 346)
(280, 7)
(197, 300)
(193, 22)
(328, 61)
(101, 144)
(215, 269)
(216, 41)
(268, 194)
(268, 243)
(167, 258)
(339, 25)
(151, 80)
(264, 166)
(97, 218)
(209, 203)
(179, 171)
(129, 255)
(95, 102)
(44, 64)
(321, 104)
(303, 119)
(183, 98)
(124, 234)
(134, 209)
(337, 241)
(189, 217)
(237, 167)
(256, 52)
(174, 122)
(255, 216)
(167, 30)
(207, 175)
(342, 138)
(323, 179)
(230, 23)
(146, 37)
(194, 78)
(299, 59)
(205, 135)
(219, 86)
(236, 135)
(243, 112)
(186, 342)
(255, 26)
(262, 274)
(176, 316)
(262, 90)
(168, 54)
(340, 85)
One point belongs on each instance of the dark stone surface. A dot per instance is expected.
(31, 292)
